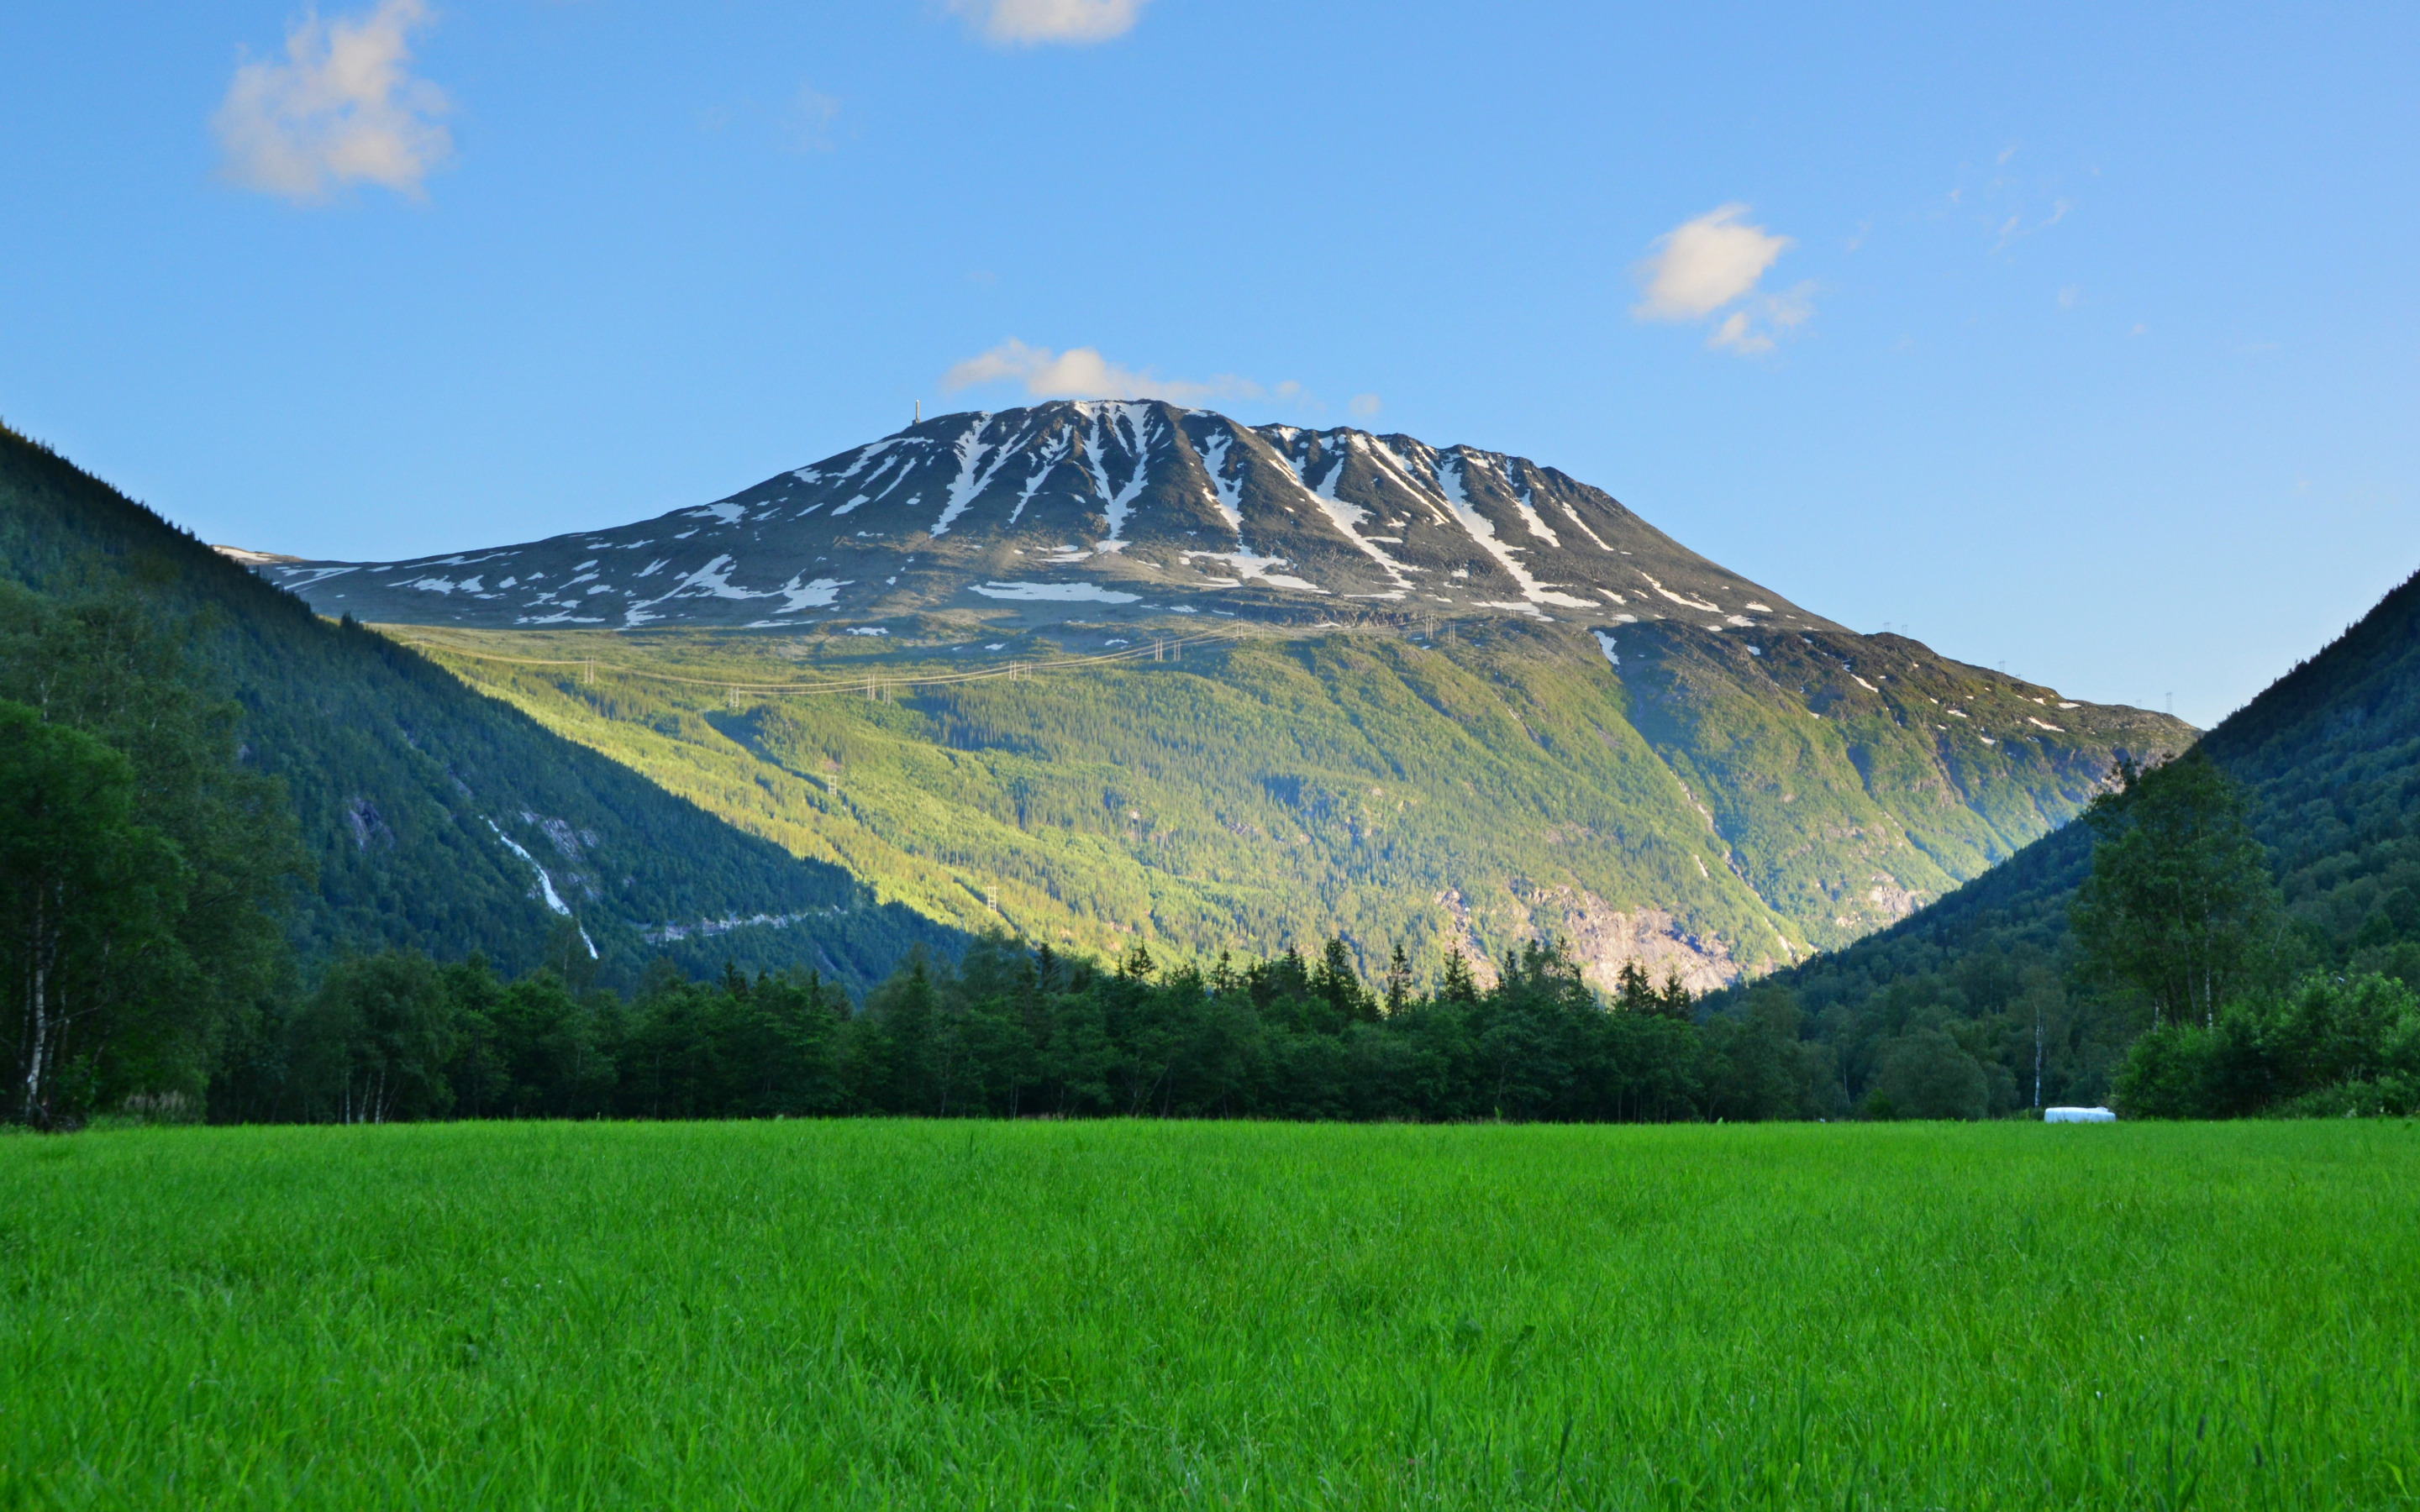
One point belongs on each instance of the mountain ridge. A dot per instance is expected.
(1097, 506)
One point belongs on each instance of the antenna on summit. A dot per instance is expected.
(920, 412)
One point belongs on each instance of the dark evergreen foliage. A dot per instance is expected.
(1014, 1031)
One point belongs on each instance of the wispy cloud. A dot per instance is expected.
(1366, 406)
(1751, 329)
(2014, 228)
(340, 108)
(806, 121)
(1028, 22)
(1083, 373)
(1716, 260)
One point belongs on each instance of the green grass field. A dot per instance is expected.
(1069, 1315)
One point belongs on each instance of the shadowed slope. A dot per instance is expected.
(437, 818)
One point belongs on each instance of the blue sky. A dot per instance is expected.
(2077, 338)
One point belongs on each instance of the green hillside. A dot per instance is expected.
(1714, 802)
(2329, 759)
(408, 786)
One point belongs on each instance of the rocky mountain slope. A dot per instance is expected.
(1457, 698)
(1124, 509)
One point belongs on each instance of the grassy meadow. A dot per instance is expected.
(1095, 1315)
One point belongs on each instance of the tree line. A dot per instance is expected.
(1012, 1030)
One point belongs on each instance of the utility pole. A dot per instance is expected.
(2038, 1048)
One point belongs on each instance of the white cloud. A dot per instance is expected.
(1704, 264)
(340, 108)
(1365, 405)
(806, 122)
(1083, 373)
(1751, 329)
(1029, 22)
(1715, 261)
(2014, 228)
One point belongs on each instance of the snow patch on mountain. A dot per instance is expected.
(1474, 524)
(1682, 599)
(1227, 493)
(970, 483)
(1055, 592)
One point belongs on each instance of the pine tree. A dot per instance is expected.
(1398, 983)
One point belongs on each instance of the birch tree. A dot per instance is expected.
(90, 899)
(2180, 904)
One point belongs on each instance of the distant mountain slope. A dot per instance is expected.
(1124, 509)
(1697, 801)
(1607, 734)
(439, 818)
(2330, 757)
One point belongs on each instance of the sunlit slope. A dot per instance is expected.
(1698, 806)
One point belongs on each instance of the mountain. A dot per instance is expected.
(437, 818)
(1143, 673)
(2329, 756)
(1123, 509)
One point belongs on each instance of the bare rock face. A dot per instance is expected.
(1604, 939)
(1087, 508)
(1599, 937)
(368, 827)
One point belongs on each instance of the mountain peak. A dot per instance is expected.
(1125, 506)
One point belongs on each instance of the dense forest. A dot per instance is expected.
(1012, 1031)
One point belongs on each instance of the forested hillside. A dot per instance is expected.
(1707, 801)
(432, 818)
(2328, 761)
